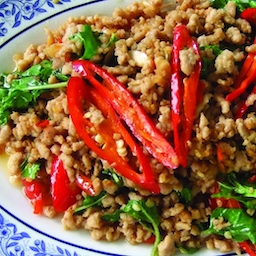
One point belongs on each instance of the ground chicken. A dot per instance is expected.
(141, 59)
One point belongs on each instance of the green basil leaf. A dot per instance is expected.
(90, 201)
(236, 186)
(113, 39)
(117, 179)
(89, 40)
(146, 212)
(241, 226)
(185, 195)
(112, 217)
(241, 4)
(187, 250)
(29, 170)
(26, 87)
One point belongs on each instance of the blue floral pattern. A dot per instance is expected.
(10, 239)
(40, 249)
(17, 243)
(13, 12)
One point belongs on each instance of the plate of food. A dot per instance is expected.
(127, 128)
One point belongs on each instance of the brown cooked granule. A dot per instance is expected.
(150, 35)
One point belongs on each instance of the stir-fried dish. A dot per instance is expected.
(141, 125)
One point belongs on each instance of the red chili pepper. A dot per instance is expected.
(248, 248)
(38, 192)
(78, 92)
(214, 203)
(62, 190)
(231, 203)
(34, 192)
(85, 184)
(246, 76)
(59, 40)
(150, 240)
(220, 158)
(130, 111)
(222, 202)
(243, 106)
(247, 80)
(252, 179)
(43, 123)
(245, 68)
(249, 14)
(184, 93)
(220, 155)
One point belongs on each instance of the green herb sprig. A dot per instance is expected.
(23, 91)
(241, 4)
(90, 42)
(242, 227)
(29, 170)
(91, 201)
(146, 213)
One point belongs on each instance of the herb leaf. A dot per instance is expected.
(241, 4)
(113, 38)
(147, 215)
(242, 226)
(216, 50)
(185, 196)
(187, 250)
(91, 201)
(145, 212)
(89, 40)
(29, 170)
(112, 217)
(238, 188)
(208, 64)
(114, 177)
(26, 87)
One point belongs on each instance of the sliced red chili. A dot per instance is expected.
(216, 202)
(150, 240)
(245, 78)
(231, 203)
(243, 107)
(184, 93)
(220, 155)
(248, 248)
(43, 123)
(130, 111)
(249, 14)
(63, 191)
(220, 158)
(244, 70)
(252, 179)
(38, 192)
(222, 202)
(85, 184)
(34, 192)
(59, 40)
(78, 92)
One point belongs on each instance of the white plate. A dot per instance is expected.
(21, 232)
